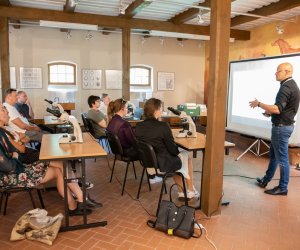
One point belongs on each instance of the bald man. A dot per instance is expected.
(282, 116)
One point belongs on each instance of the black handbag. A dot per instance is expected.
(175, 220)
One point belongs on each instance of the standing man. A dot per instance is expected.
(105, 100)
(282, 116)
(97, 117)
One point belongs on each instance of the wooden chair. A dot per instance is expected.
(117, 150)
(7, 191)
(148, 159)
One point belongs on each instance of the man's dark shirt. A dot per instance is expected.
(287, 100)
(23, 109)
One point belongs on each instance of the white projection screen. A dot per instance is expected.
(249, 79)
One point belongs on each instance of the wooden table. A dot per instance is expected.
(51, 150)
(197, 144)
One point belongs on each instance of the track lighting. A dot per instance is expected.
(200, 17)
(88, 35)
(162, 40)
(69, 34)
(279, 29)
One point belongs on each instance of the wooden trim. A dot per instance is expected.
(4, 55)
(135, 7)
(126, 64)
(268, 10)
(189, 14)
(110, 21)
(5, 2)
(212, 185)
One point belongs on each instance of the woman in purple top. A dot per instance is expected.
(117, 125)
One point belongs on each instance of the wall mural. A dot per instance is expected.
(265, 41)
(285, 47)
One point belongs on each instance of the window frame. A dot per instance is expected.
(149, 69)
(73, 65)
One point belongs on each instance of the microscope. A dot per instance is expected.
(58, 111)
(188, 125)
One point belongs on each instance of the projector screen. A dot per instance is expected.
(249, 79)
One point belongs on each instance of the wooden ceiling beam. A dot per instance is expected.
(110, 21)
(69, 6)
(4, 2)
(135, 7)
(189, 14)
(268, 10)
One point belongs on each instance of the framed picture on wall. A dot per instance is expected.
(165, 80)
(113, 79)
(91, 78)
(31, 78)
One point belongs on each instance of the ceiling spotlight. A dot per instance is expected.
(199, 45)
(143, 40)
(180, 42)
(73, 2)
(122, 8)
(162, 40)
(279, 29)
(200, 17)
(69, 34)
(88, 35)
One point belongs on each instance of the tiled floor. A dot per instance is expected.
(253, 220)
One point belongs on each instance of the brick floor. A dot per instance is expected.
(253, 220)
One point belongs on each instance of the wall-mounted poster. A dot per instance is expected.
(91, 78)
(13, 81)
(165, 80)
(31, 78)
(113, 79)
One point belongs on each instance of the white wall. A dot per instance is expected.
(35, 47)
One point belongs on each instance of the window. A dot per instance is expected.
(140, 76)
(61, 73)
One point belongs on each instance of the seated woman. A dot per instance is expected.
(159, 135)
(117, 125)
(14, 173)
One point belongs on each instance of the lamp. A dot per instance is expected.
(143, 40)
(162, 40)
(69, 34)
(200, 17)
(88, 35)
(279, 29)
(122, 8)
(180, 42)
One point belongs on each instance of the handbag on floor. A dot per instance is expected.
(175, 220)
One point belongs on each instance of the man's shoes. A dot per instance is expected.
(79, 210)
(261, 182)
(276, 191)
(88, 185)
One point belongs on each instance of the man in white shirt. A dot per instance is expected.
(105, 100)
(18, 122)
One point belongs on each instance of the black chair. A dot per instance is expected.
(7, 191)
(117, 150)
(148, 159)
(88, 125)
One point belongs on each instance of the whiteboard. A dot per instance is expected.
(250, 79)
(113, 79)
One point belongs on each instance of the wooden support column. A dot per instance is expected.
(212, 186)
(125, 63)
(4, 52)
